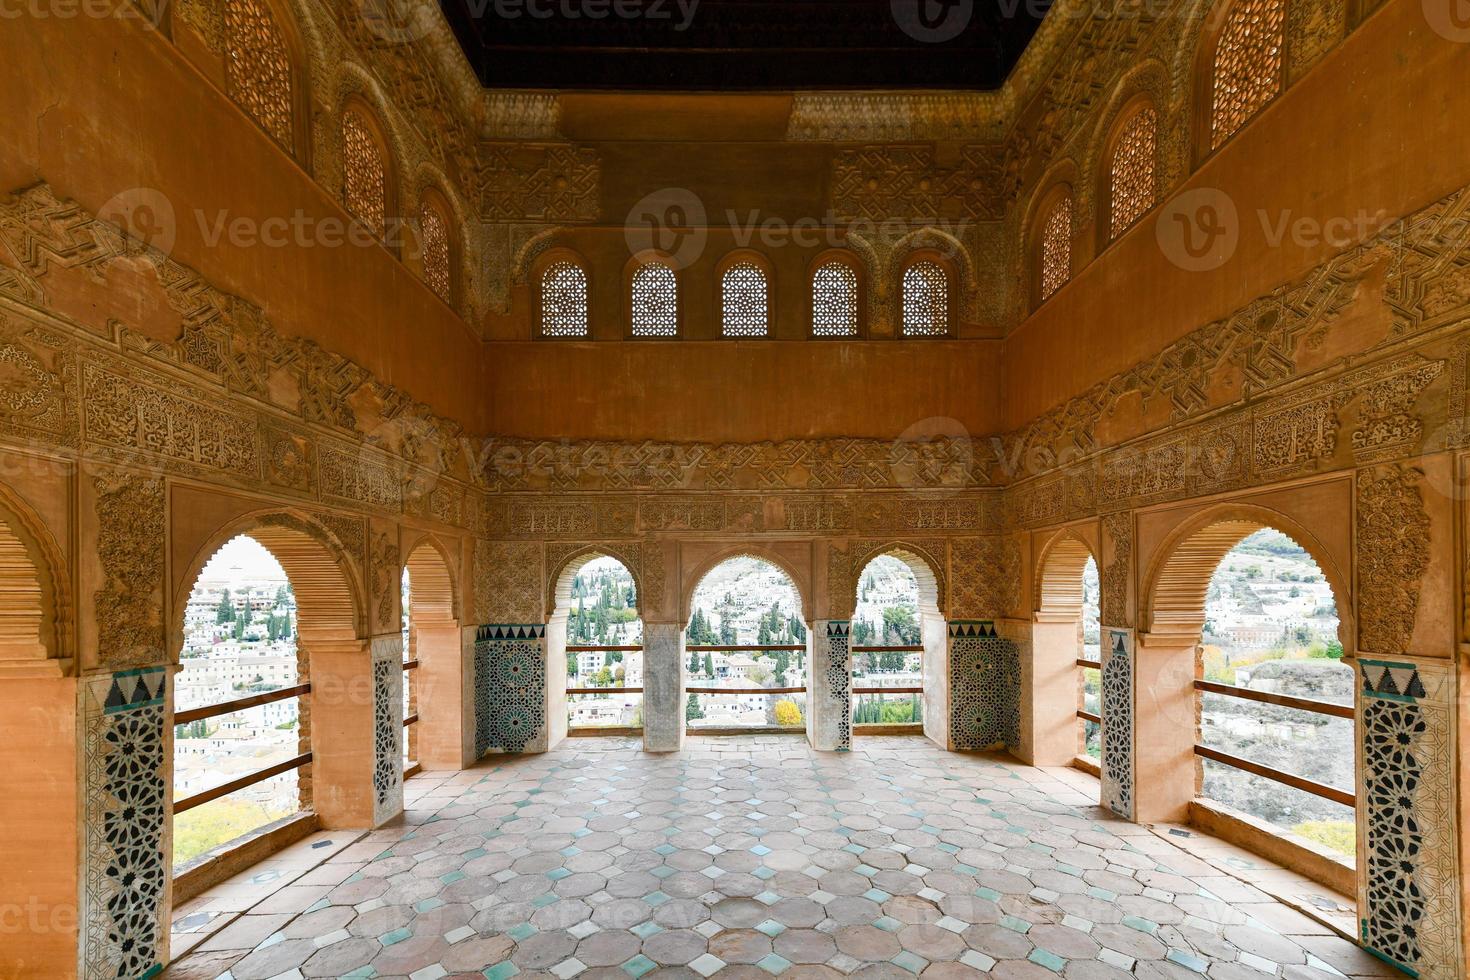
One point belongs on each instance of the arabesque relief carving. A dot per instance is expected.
(1392, 556)
(131, 530)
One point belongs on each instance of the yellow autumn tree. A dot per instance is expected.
(787, 713)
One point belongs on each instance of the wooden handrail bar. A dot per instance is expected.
(604, 690)
(888, 690)
(594, 648)
(745, 690)
(897, 649)
(225, 789)
(1295, 782)
(239, 704)
(1094, 664)
(411, 719)
(735, 647)
(411, 664)
(1280, 700)
(1089, 716)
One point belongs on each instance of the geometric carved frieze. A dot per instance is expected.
(130, 513)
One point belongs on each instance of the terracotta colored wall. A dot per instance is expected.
(744, 391)
(1373, 130)
(107, 105)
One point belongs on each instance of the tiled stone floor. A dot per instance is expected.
(757, 857)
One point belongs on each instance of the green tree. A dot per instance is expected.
(709, 665)
(225, 613)
(692, 710)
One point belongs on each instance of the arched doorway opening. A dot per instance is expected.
(1244, 722)
(242, 723)
(897, 646)
(1270, 666)
(1062, 713)
(746, 651)
(434, 733)
(595, 646)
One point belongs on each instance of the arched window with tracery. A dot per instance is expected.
(835, 300)
(1246, 65)
(364, 170)
(258, 72)
(1131, 174)
(1054, 246)
(563, 300)
(925, 299)
(744, 300)
(653, 297)
(435, 248)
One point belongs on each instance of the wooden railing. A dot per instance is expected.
(249, 779)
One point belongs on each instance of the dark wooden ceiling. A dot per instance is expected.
(743, 45)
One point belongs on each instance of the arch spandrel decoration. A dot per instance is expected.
(1174, 590)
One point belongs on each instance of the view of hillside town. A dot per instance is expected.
(1271, 625)
(239, 640)
(742, 602)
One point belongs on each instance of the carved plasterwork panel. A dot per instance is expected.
(1392, 546)
(985, 576)
(131, 522)
(508, 581)
(1115, 575)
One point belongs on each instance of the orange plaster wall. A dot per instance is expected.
(740, 391)
(109, 106)
(38, 917)
(1374, 130)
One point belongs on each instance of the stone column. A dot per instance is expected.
(829, 686)
(511, 688)
(555, 643)
(934, 635)
(1164, 719)
(356, 730)
(443, 689)
(663, 687)
(1049, 692)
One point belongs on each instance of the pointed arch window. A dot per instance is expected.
(1245, 66)
(653, 297)
(258, 73)
(435, 245)
(835, 299)
(364, 170)
(1131, 171)
(563, 300)
(1054, 245)
(744, 300)
(925, 299)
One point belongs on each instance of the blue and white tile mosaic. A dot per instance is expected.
(1117, 722)
(510, 688)
(985, 685)
(1407, 869)
(127, 802)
